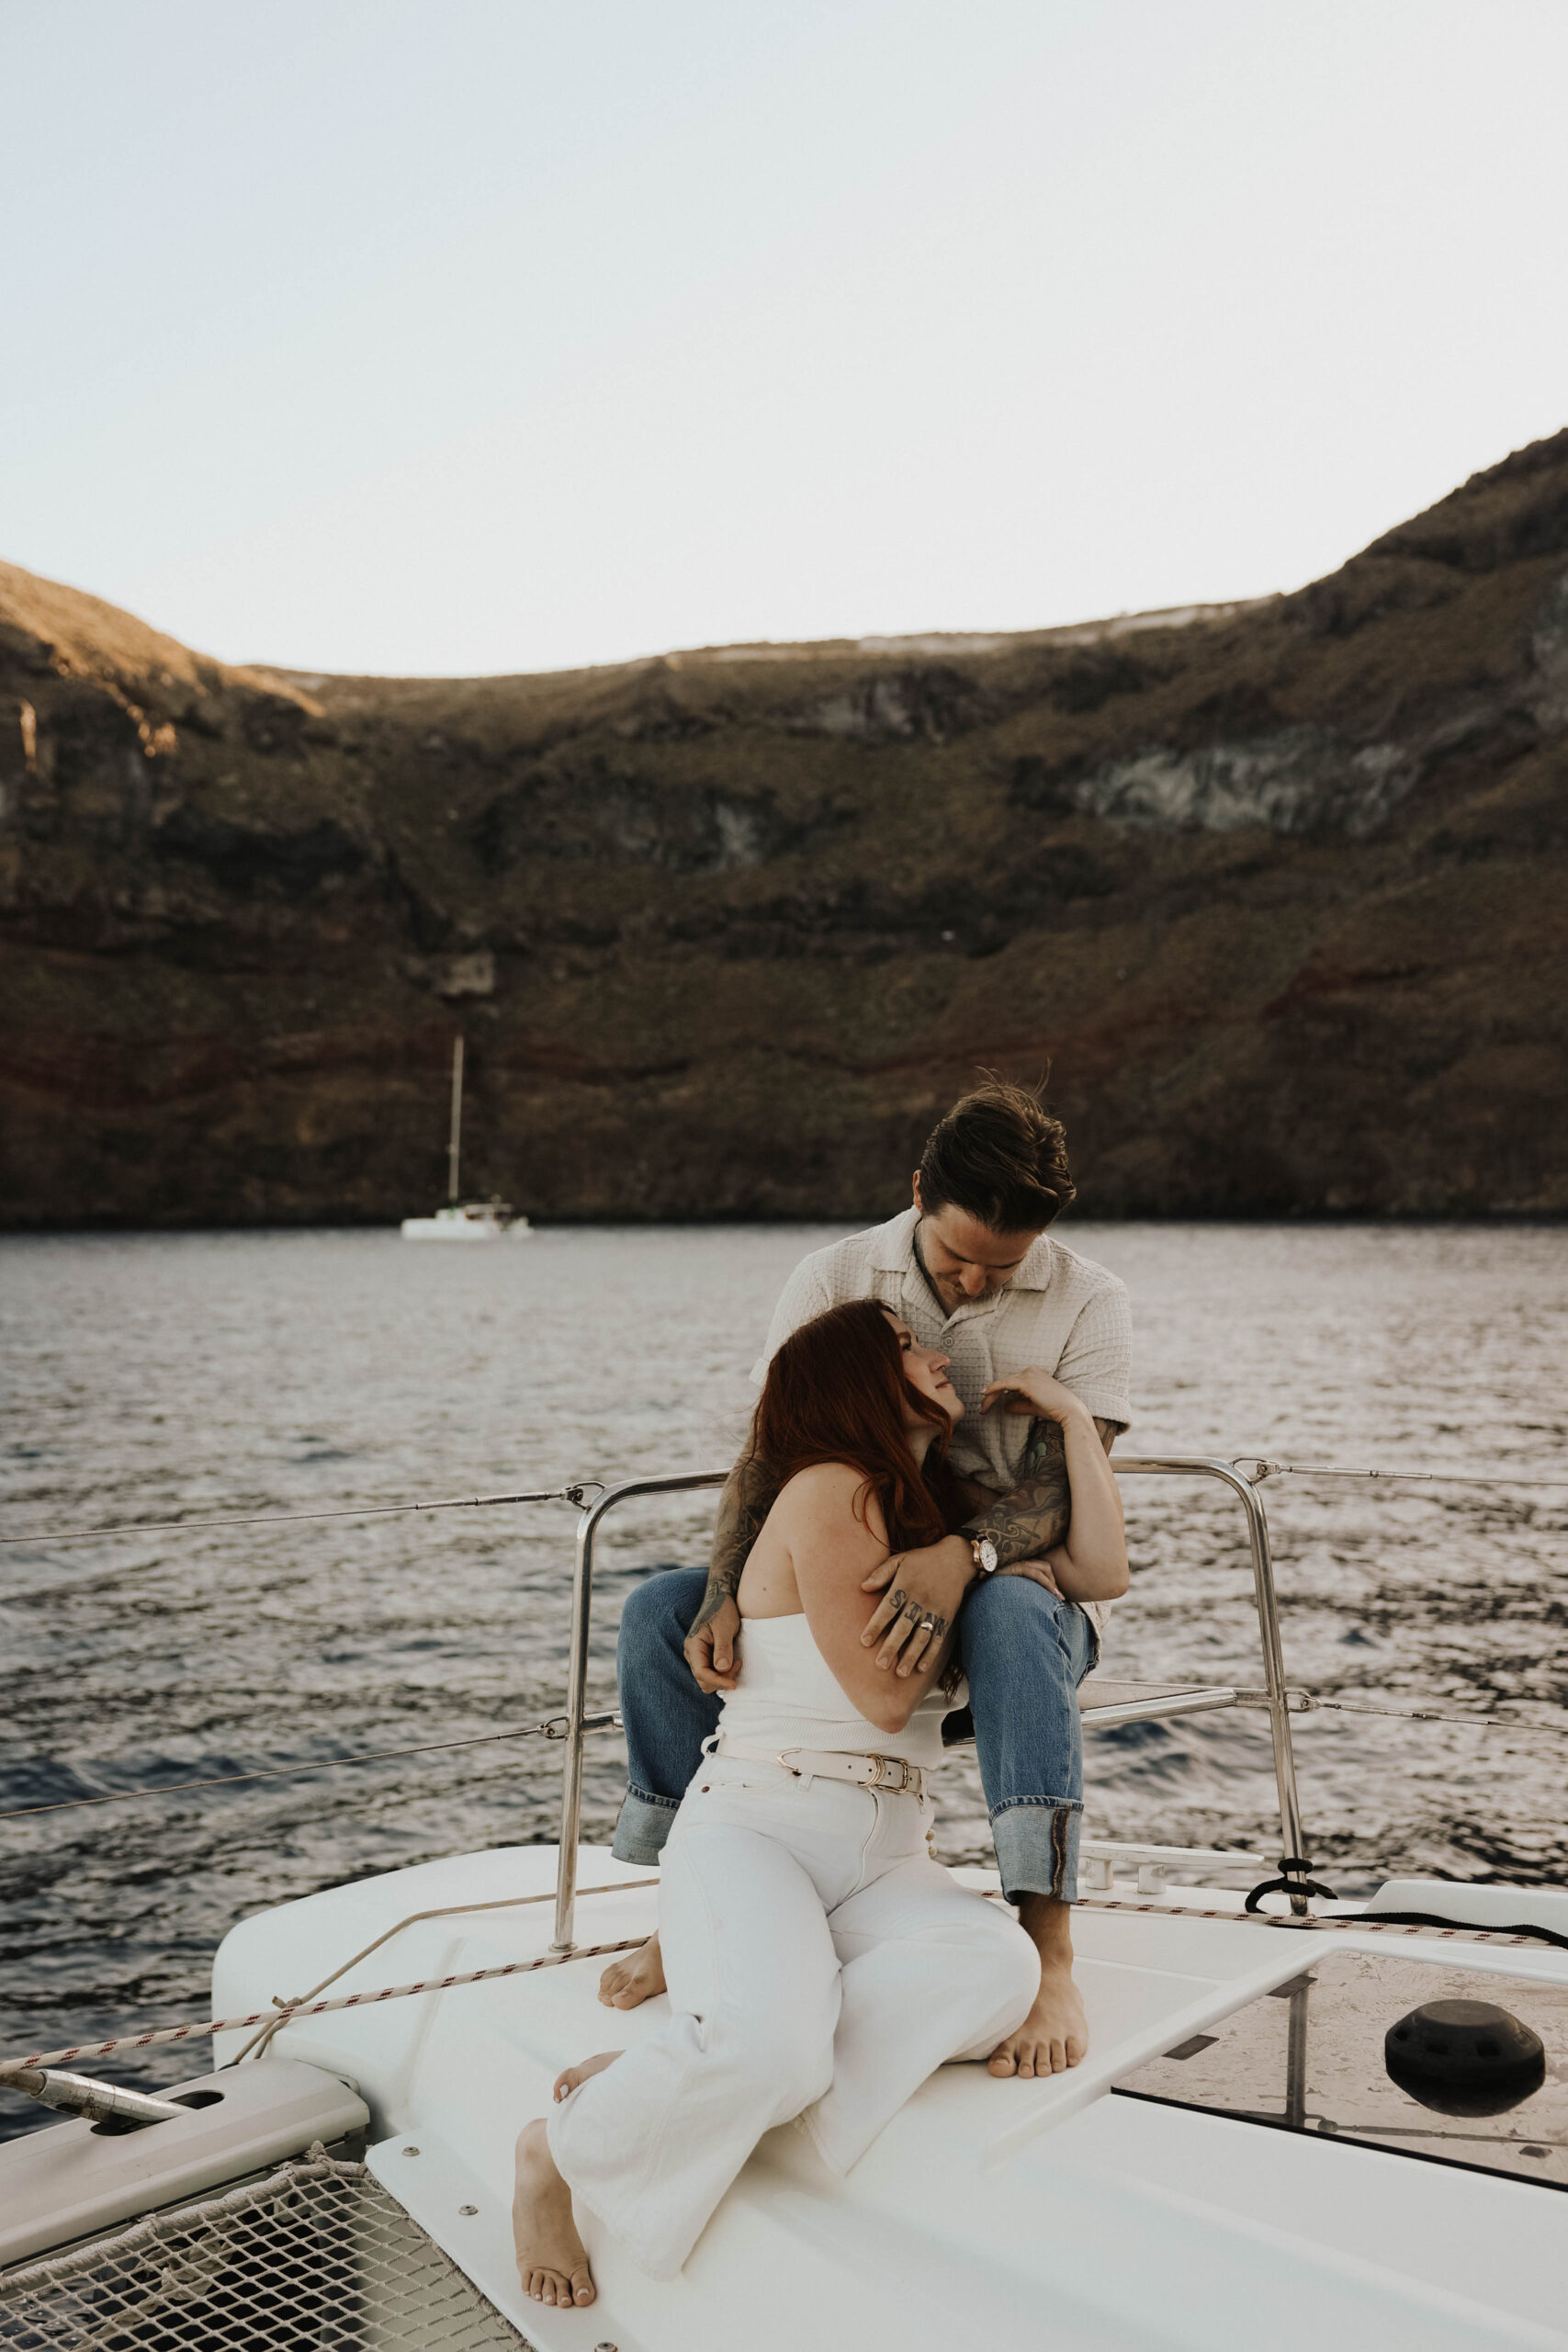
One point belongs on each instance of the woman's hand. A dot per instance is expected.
(1036, 1393)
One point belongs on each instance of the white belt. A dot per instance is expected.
(894, 1773)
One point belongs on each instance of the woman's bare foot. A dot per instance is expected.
(552, 2261)
(1055, 2035)
(626, 1984)
(571, 2077)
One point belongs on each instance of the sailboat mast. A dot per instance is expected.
(455, 1138)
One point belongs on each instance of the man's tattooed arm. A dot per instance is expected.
(1033, 1519)
(710, 1646)
(744, 1503)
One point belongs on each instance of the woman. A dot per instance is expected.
(820, 1964)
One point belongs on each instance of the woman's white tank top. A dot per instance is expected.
(788, 1696)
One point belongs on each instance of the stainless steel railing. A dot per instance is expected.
(1267, 1604)
(683, 1482)
(690, 1482)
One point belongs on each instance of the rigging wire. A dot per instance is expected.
(1428, 1715)
(558, 1728)
(553, 1727)
(1257, 1467)
(575, 1493)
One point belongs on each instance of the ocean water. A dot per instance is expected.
(151, 1376)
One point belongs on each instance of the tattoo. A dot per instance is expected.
(1033, 1519)
(747, 1496)
(916, 1611)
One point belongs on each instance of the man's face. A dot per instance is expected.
(966, 1259)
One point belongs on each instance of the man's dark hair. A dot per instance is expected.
(1000, 1157)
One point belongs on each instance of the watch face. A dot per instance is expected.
(988, 1556)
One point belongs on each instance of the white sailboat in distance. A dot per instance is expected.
(463, 1220)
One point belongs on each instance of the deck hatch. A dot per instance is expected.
(1309, 2056)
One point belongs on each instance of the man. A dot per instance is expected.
(971, 1268)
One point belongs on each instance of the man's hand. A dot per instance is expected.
(1037, 1571)
(921, 1592)
(712, 1649)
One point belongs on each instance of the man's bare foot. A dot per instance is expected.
(626, 1984)
(552, 2261)
(569, 2077)
(1052, 2037)
(1055, 2035)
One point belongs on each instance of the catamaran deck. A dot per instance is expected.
(1005, 2212)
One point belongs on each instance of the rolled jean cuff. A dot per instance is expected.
(1037, 1847)
(645, 1823)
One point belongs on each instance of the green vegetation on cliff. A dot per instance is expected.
(1276, 890)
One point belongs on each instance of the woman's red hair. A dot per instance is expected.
(835, 1392)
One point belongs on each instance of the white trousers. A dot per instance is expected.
(820, 1965)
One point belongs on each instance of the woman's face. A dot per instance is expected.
(925, 1370)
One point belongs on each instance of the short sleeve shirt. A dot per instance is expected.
(1059, 1310)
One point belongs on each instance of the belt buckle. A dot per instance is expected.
(906, 1776)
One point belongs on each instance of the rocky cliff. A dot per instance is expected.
(1278, 891)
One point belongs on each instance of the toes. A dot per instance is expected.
(581, 2287)
(1031, 2060)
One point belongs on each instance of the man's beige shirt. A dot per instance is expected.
(1059, 1310)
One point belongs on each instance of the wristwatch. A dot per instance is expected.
(988, 1559)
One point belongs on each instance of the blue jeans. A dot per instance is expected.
(1024, 1654)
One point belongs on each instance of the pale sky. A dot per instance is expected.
(456, 337)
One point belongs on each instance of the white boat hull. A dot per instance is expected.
(996, 2213)
(459, 1226)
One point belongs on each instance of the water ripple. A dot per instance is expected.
(209, 1372)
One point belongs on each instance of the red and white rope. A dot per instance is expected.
(316, 2009)
(290, 2012)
